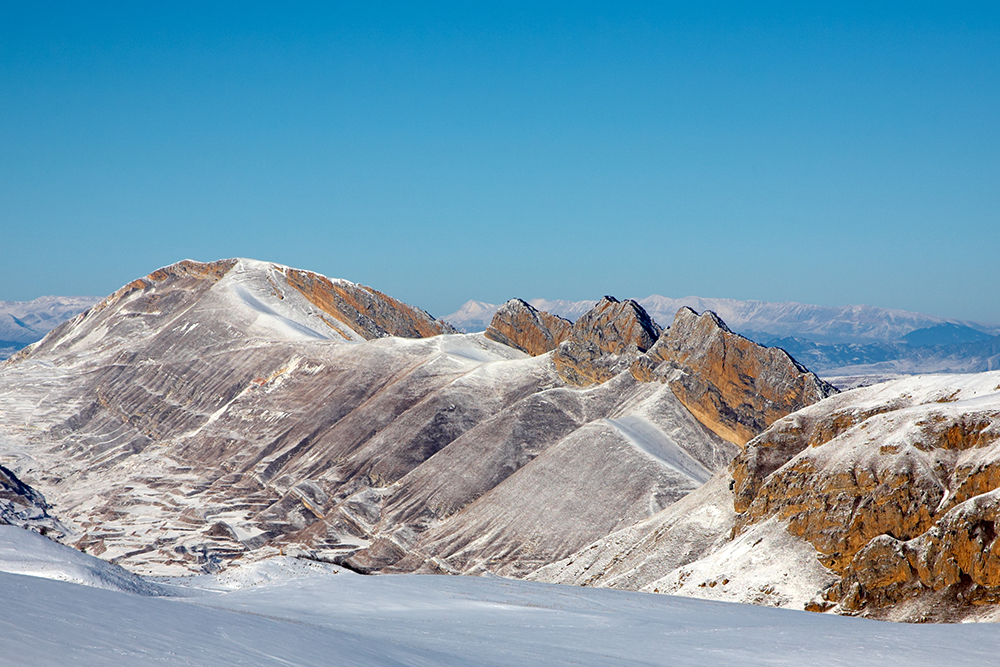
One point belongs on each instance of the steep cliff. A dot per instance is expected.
(525, 328)
(604, 341)
(732, 385)
(894, 486)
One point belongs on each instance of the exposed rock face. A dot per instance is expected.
(732, 385)
(22, 506)
(894, 486)
(523, 327)
(212, 411)
(368, 312)
(605, 341)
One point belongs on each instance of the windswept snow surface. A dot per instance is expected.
(645, 435)
(295, 613)
(25, 552)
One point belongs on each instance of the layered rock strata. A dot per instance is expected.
(212, 411)
(523, 327)
(605, 341)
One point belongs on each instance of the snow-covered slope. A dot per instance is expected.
(26, 552)
(300, 614)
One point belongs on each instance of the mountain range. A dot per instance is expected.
(24, 322)
(833, 341)
(216, 414)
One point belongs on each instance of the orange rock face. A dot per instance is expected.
(899, 496)
(734, 386)
(368, 312)
(521, 326)
(606, 340)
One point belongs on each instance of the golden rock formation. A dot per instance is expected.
(734, 386)
(520, 325)
(898, 496)
(606, 340)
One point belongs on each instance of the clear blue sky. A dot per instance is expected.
(441, 152)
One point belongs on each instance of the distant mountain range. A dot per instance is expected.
(25, 322)
(834, 341)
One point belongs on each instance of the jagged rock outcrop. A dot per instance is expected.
(605, 341)
(22, 506)
(894, 486)
(734, 386)
(523, 327)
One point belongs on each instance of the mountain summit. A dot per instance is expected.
(236, 409)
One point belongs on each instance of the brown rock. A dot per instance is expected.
(605, 341)
(368, 312)
(520, 325)
(734, 386)
(895, 489)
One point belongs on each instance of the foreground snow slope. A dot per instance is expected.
(25, 552)
(319, 615)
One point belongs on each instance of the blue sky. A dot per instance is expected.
(441, 152)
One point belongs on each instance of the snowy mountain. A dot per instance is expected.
(209, 412)
(222, 414)
(24, 322)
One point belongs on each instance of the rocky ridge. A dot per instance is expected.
(733, 386)
(520, 325)
(881, 501)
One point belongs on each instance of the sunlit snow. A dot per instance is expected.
(285, 611)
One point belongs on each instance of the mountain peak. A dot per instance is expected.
(733, 385)
(605, 341)
(520, 325)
